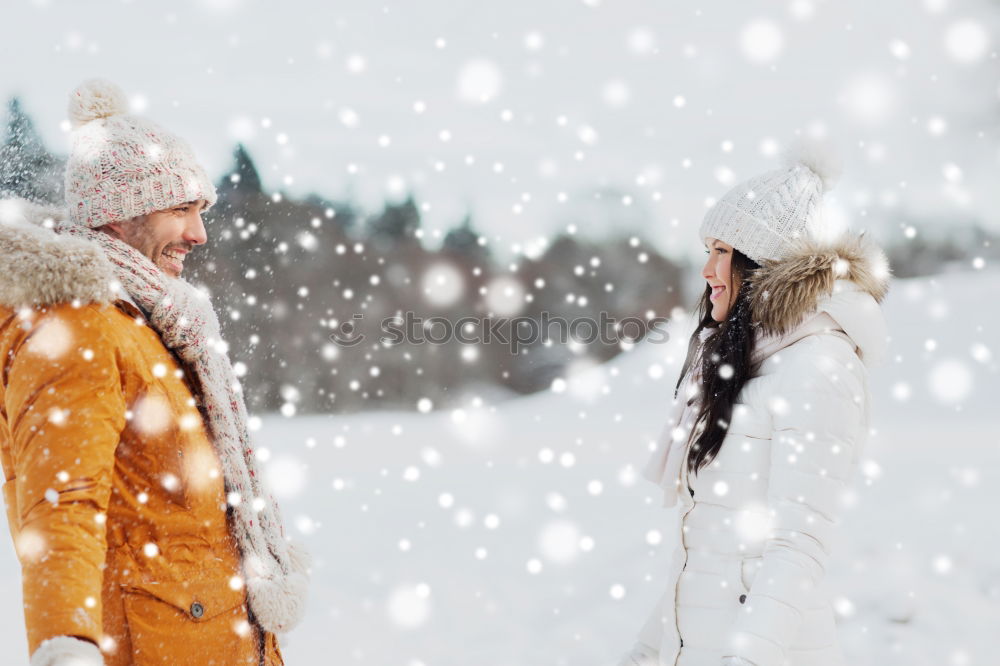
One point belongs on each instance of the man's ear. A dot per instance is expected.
(112, 229)
(117, 229)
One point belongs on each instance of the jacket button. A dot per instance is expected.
(743, 598)
(197, 610)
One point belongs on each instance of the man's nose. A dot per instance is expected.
(195, 232)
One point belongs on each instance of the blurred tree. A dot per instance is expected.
(243, 180)
(396, 225)
(927, 247)
(27, 168)
(464, 241)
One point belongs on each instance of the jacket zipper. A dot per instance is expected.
(684, 476)
(683, 568)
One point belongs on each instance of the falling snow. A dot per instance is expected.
(468, 525)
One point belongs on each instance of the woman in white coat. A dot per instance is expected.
(770, 416)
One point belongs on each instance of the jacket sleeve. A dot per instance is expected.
(66, 409)
(818, 421)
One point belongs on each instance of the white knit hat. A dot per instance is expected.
(762, 216)
(121, 166)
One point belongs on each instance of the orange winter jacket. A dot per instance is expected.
(114, 493)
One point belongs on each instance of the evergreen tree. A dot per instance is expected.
(397, 224)
(27, 169)
(242, 182)
(464, 241)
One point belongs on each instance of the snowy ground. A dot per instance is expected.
(521, 535)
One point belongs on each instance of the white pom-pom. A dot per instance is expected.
(819, 157)
(67, 650)
(96, 98)
(299, 559)
(278, 603)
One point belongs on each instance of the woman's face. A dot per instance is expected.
(719, 274)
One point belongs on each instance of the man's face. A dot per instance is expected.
(165, 236)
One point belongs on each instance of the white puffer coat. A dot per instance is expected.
(757, 524)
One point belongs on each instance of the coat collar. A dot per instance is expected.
(843, 280)
(40, 268)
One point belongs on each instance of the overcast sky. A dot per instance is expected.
(520, 111)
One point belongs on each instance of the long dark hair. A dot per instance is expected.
(729, 348)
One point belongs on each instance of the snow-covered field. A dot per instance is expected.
(520, 534)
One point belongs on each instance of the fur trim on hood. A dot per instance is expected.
(40, 268)
(847, 278)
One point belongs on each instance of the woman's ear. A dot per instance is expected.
(735, 284)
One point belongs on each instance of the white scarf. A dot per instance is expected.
(664, 466)
(275, 571)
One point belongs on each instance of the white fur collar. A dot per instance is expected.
(39, 267)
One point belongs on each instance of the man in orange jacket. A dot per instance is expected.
(131, 488)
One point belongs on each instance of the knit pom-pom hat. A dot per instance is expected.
(122, 166)
(762, 216)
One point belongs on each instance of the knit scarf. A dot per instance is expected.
(275, 571)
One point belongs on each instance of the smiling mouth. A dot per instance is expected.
(716, 291)
(175, 259)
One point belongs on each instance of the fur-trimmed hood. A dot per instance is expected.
(39, 267)
(847, 278)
